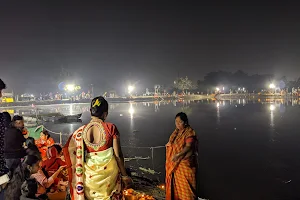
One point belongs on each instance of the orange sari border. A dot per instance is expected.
(76, 138)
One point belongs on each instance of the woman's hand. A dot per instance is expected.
(175, 158)
(127, 181)
(62, 167)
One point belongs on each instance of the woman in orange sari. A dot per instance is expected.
(94, 158)
(44, 143)
(181, 161)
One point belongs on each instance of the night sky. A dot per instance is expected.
(108, 44)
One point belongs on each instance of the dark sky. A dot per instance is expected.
(111, 43)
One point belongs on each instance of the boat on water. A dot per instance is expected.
(34, 120)
(62, 118)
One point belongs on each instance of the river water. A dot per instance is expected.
(247, 149)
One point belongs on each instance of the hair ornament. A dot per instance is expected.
(96, 103)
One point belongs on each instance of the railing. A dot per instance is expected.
(60, 141)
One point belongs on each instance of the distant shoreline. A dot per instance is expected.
(252, 96)
(110, 100)
(219, 97)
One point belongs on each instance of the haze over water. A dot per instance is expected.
(247, 150)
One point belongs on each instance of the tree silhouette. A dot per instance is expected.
(183, 84)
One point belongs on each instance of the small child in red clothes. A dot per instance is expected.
(52, 164)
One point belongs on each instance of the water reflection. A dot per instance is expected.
(71, 109)
(75, 109)
(272, 108)
(174, 103)
(218, 113)
(156, 107)
(131, 110)
(132, 138)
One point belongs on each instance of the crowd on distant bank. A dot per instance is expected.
(90, 165)
(61, 96)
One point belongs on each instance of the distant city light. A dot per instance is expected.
(70, 87)
(223, 88)
(272, 107)
(272, 86)
(130, 88)
(239, 89)
(218, 89)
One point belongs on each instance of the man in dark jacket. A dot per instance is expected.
(14, 144)
(3, 168)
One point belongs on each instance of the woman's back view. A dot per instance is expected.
(100, 171)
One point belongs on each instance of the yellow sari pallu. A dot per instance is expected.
(95, 178)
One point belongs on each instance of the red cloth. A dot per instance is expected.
(53, 162)
(190, 140)
(43, 145)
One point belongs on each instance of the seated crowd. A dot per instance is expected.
(36, 167)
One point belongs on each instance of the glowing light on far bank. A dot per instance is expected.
(218, 89)
(70, 87)
(272, 107)
(130, 88)
(272, 86)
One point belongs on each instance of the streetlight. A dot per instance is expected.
(70, 87)
(130, 88)
(218, 89)
(272, 86)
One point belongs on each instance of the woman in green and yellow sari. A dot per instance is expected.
(94, 158)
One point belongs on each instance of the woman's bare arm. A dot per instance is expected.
(186, 149)
(186, 152)
(119, 155)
